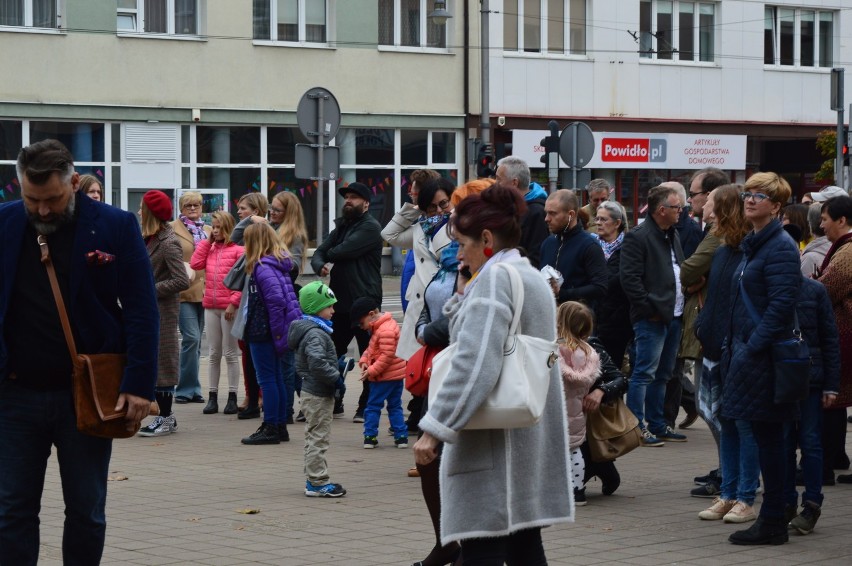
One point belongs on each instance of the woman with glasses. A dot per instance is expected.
(763, 299)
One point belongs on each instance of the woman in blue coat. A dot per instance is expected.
(764, 292)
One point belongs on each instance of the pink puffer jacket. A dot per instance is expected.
(217, 258)
(579, 372)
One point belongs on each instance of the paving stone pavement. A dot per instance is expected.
(182, 498)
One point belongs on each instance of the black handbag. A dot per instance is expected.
(791, 360)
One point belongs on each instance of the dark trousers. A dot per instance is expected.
(833, 439)
(679, 394)
(772, 451)
(31, 422)
(522, 548)
(249, 375)
(342, 336)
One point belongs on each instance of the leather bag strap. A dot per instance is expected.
(57, 296)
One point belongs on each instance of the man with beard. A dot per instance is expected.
(105, 278)
(352, 254)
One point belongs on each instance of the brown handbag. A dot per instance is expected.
(612, 431)
(97, 377)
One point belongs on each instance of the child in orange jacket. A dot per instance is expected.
(383, 369)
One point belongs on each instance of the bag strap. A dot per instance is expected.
(517, 295)
(57, 296)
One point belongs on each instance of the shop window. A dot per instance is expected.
(31, 13)
(228, 145)
(296, 21)
(545, 26)
(85, 141)
(239, 180)
(406, 23)
(281, 144)
(415, 147)
(677, 30)
(798, 37)
(168, 17)
(366, 146)
(10, 139)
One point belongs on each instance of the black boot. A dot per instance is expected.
(249, 413)
(231, 405)
(763, 531)
(282, 433)
(266, 434)
(212, 404)
(610, 478)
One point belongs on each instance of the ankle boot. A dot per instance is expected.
(212, 404)
(249, 413)
(266, 434)
(763, 531)
(231, 405)
(282, 433)
(610, 478)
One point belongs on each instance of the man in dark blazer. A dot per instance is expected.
(105, 278)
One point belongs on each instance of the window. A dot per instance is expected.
(172, 17)
(545, 26)
(798, 37)
(406, 23)
(677, 30)
(30, 13)
(297, 21)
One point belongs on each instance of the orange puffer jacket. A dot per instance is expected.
(380, 356)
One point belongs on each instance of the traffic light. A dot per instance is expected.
(846, 147)
(485, 162)
(550, 145)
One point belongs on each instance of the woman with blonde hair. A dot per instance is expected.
(91, 186)
(288, 218)
(170, 279)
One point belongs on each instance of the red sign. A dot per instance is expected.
(625, 150)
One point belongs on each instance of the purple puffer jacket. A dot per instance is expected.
(276, 288)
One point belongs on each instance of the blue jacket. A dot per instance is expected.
(770, 273)
(714, 320)
(819, 328)
(95, 291)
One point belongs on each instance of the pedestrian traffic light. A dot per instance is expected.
(550, 145)
(485, 162)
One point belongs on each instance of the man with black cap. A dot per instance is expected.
(352, 254)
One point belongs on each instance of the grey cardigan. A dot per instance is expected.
(496, 482)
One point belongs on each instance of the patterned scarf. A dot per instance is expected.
(321, 322)
(431, 224)
(449, 261)
(195, 227)
(609, 248)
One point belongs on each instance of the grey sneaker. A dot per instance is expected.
(805, 521)
(160, 426)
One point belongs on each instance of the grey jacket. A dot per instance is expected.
(316, 360)
(493, 481)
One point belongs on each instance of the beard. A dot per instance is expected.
(351, 211)
(56, 221)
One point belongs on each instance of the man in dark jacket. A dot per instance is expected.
(573, 252)
(650, 274)
(352, 254)
(515, 172)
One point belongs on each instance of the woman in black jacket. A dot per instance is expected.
(612, 313)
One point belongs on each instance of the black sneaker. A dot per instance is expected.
(182, 399)
(579, 497)
(370, 442)
(337, 412)
(805, 521)
(249, 413)
(283, 435)
(401, 442)
(709, 490)
(266, 434)
(300, 418)
(714, 475)
(358, 418)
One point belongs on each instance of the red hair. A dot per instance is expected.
(498, 208)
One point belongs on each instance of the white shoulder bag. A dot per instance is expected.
(518, 398)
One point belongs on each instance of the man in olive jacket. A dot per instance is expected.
(650, 271)
(352, 254)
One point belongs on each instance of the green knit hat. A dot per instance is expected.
(315, 296)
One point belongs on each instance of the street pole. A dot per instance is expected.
(838, 178)
(837, 80)
(484, 41)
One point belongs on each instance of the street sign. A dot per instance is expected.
(307, 165)
(576, 145)
(308, 114)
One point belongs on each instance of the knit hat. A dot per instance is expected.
(361, 308)
(359, 189)
(159, 204)
(316, 296)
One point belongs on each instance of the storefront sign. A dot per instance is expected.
(615, 150)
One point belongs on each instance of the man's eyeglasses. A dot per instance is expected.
(673, 206)
(755, 197)
(443, 205)
(695, 194)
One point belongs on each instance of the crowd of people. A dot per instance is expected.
(707, 281)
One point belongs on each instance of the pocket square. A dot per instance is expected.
(98, 257)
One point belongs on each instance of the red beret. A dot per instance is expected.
(159, 204)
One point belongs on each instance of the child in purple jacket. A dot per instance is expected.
(271, 306)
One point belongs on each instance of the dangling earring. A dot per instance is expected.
(488, 251)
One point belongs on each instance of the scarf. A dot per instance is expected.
(195, 227)
(834, 247)
(609, 248)
(448, 260)
(321, 322)
(431, 224)
(503, 255)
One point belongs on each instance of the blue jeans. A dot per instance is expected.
(740, 464)
(381, 391)
(807, 433)
(656, 345)
(32, 421)
(773, 457)
(288, 368)
(191, 325)
(270, 377)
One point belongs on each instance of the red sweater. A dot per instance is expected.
(217, 259)
(380, 356)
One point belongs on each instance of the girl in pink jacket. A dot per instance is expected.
(580, 366)
(216, 256)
